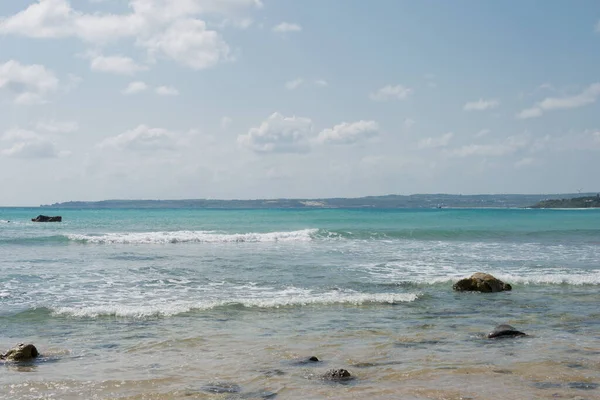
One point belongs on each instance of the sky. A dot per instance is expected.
(246, 99)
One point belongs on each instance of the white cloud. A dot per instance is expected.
(52, 19)
(287, 27)
(45, 19)
(278, 134)
(29, 83)
(189, 43)
(586, 140)
(57, 126)
(162, 27)
(167, 91)
(511, 145)
(481, 105)
(524, 162)
(390, 92)
(482, 133)
(482, 150)
(242, 24)
(408, 123)
(226, 122)
(28, 144)
(30, 99)
(142, 138)
(116, 65)
(348, 133)
(533, 112)
(433, 142)
(135, 87)
(587, 96)
(321, 82)
(35, 77)
(72, 82)
(293, 84)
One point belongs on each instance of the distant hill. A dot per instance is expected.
(576, 202)
(385, 202)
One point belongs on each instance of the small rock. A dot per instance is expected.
(45, 218)
(305, 361)
(583, 385)
(480, 282)
(505, 331)
(337, 375)
(22, 352)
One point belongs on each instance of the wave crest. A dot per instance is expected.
(194, 237)
(172, 309)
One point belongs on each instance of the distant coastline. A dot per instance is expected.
(564, 200)
(583, 202)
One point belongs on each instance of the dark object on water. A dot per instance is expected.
(305, 361)
(45, 218)
(480, 282)
(505, 331)
(22, 352)
(337, 375)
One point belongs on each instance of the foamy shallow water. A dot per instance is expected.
(123, 306)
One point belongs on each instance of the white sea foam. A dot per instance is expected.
(179, 307)
(193, 236)
(576, 279)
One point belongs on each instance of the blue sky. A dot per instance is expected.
(278, 98)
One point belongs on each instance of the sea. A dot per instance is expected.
(231, 304)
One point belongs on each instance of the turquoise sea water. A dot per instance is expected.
(153, 304)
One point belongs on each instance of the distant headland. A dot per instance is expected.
(384, 202)
(577, 202)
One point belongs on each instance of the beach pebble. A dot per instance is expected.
(505, 331)
(22, 352)
(481, 282)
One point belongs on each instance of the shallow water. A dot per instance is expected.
(157, 304)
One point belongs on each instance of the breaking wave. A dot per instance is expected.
(175, 308)
(194, 237)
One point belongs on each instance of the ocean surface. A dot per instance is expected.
(227, 304)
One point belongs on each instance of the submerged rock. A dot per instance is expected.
(45, 218)
(337, 375)
(305, 361)
(481, 282)
(505, 331)
(22, 352)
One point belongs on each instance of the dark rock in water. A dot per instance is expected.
(480, 282)
(337, 375)
(505, 331)
(305, 361)
(22, 352)
(45, 218)
(547, 385)
(583, 385)
(222, 387)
